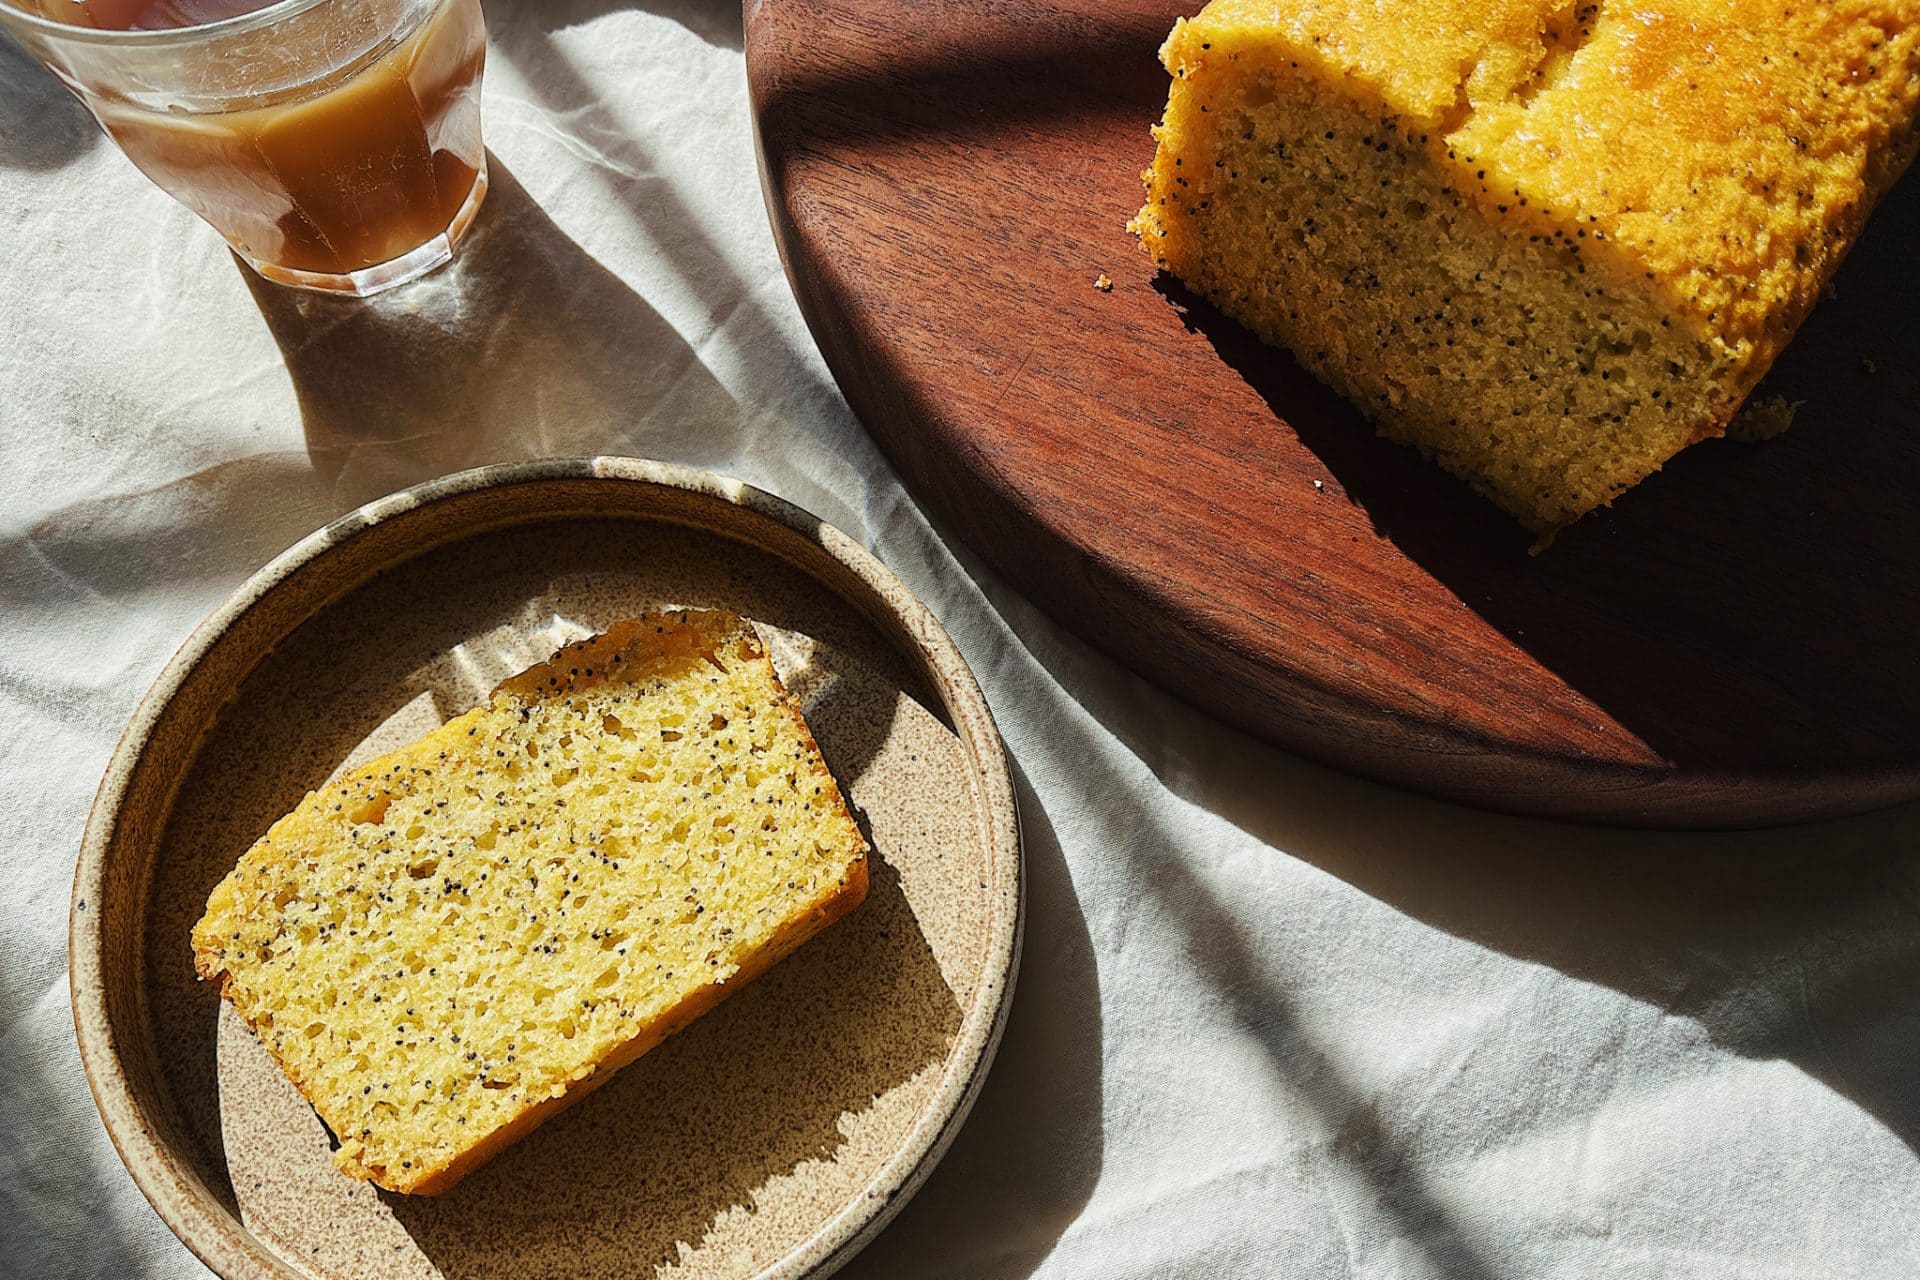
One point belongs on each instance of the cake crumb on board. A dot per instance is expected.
(1762, 418)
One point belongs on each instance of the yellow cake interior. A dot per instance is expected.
(465, 930)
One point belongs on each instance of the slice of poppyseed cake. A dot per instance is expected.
(452, 942)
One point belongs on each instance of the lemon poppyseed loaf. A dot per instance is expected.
(447, 945)
(1549, 244)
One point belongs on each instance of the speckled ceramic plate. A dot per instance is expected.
(774, 1136)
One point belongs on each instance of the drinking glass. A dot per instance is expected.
(334, 143)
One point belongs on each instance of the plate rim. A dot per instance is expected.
(218, 1238)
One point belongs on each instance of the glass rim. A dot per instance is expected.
(161, 36)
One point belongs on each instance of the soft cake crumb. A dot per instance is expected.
(447, 944)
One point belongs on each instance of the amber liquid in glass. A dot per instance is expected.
(354, 170)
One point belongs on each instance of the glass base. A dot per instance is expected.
(367, 281)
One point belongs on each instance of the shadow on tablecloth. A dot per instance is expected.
(42, 126)
(525, 347)
(1044, 1095)
(1794, 946)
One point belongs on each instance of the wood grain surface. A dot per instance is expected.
(1732, 644)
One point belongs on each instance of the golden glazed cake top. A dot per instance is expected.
(1724, 152)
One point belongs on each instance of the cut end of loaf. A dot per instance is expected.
(1548, 242)
(450, 943)
(1514, 356)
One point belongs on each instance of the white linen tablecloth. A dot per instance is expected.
(1272, 1020)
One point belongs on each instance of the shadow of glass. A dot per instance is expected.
(42, 126)
(1026, 1161)
(524, 347)
(623, 164)
(628, 159)
(1741, 610)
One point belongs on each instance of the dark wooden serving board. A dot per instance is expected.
(1732, 644)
